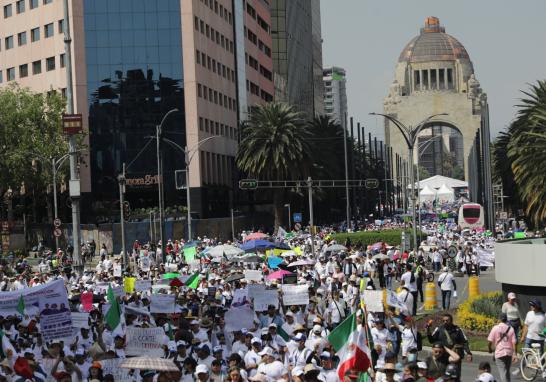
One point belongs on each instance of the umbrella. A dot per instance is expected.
(278, 275)
(280, 245)
(228, 250)
(251, 259)
(255, 236)
(301, 263)
(252, 245)
(149, 363)
(336, 248)
(234, 277)
(380, 257)
(377, 245)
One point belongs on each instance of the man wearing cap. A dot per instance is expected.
(290, 324)
(327, 371)
(451, 336)
(534, 325)
(300, 356)
(252, 358)
(202, 373)
(277, 341)
(270, 366)
(502, 340)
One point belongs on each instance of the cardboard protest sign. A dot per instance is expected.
(295, 295)
(145, 342)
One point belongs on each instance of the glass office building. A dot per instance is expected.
(134, 77)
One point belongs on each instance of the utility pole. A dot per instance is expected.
(121, 181)
(348, 212)
(311, 221)
(160, 189)
(74, 177)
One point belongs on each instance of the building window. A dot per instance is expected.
(50, 64)
(20, 6)
(10, 74)
(206, 125)
(62, 60)
(205, 92)
(197, 57)
(450, 78)
(23, 71)
(199, 90)
(47, 2)
(48, 30)
(61, 26)
(201, 123)
(441, 79)
(8, 11)
(8, 42)
(35, 34)
(37, 67)
(22, 38)
(196, 22)
(33, 4)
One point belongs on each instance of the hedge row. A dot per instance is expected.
(391, 237)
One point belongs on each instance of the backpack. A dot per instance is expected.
(418, 339)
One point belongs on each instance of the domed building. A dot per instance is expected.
(434, 75)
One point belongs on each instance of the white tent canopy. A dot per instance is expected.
(436, 181)
(427, 194)
(445, 194)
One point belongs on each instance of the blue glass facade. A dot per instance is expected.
(134, 77)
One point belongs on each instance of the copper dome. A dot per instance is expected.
(433, 44)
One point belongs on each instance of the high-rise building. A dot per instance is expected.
(297, 54)
(134, 61)
(335, 94)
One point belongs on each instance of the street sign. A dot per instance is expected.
(57, 232)
(371, 183)
(57, 223)
(248, 184)
(297, 217)
(180, 179)
(452, 251)
(503, 215)
(72, 123)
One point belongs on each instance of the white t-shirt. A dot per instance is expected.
(274, 370)
(535, 325)
(446, 281)
(412, 286)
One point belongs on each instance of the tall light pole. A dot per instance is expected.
(158, 137)
(74, 183)
(55, 165)
(122, 181)
(348, 212)
(410, 136)
(425, 145)
(289, 217)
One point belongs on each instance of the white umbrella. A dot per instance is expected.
(228, 250)
(301, 263)
(288, 254)
(336, 248)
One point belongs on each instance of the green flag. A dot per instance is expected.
(281, 332)
(170, 333)
(189, 253)
(21, 306)
(193, 281)
(113, 316)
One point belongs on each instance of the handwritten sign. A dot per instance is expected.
(145, 341)
(295, 295)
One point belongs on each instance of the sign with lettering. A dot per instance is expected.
(146, 180)
(145, 341)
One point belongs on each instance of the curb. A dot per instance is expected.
(474, 353)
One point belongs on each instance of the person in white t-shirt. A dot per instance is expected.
(271, 367)
(447, 285)
(534, 325)
(411, 283)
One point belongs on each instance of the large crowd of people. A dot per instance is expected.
(275, 314)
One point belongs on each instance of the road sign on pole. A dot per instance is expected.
(57, 223)
(248, 184)
(72, 124)
(57, 232)
(297, 217)
(371, 183)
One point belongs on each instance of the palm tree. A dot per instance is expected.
(527, 152)
(275, 146)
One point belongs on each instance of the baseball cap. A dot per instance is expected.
(256, 340)
(181, 343)
(325, 354)
(511, 296)
(317, 329)
(267, 351)
(201, 369)
(299, 337)
(217, 349)
(273, 325)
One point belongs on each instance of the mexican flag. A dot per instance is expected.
(193, 281)
(350, 343)
(114, 318)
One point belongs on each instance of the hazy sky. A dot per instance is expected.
(506, 41)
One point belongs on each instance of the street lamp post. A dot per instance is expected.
(289, 217)
(425, 145)
(410, 136)
(122, 181)
(55, 165)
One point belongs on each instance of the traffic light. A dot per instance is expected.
(248, 184)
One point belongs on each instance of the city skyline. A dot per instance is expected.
(496, 42)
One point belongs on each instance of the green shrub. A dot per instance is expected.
(390, 236)
(489, 306)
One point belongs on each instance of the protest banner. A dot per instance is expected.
(145, 342)
(112, 366)
(264, 298)
(252, 275)
(50, 300)
(143, 285)
(392, 300)
(373, 299)
(117, 270)
(239, 318)
(129, 284)
(162, 303)
(295, 295)
(87, 301)
(253, 289)
(80, 320)
(145, 264)
(240, 297)
(118, 290)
